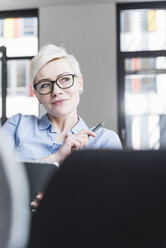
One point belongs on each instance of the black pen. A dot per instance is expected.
(98, 126)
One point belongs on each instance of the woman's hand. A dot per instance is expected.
(36, 201)
(72, 142)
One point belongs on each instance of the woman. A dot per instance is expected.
(57, 83)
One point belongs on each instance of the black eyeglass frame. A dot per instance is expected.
(54, 82)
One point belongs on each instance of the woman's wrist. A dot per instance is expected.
(57, 157)
(52, 158)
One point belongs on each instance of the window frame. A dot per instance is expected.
(121, 56)
(22, 13)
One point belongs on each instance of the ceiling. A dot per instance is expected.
(25, 4)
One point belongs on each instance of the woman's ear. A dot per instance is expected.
(80, 84)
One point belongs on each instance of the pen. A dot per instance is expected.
(98, 126)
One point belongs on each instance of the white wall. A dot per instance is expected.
(89, 32)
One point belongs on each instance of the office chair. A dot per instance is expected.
(14, 201)
(104, 198)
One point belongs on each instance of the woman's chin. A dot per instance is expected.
(59, 113)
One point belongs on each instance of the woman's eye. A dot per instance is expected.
(45, 85)
(65, 79)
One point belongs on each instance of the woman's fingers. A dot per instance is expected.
(88, 132)
(76, 145)
(36, 201)
(79, 140)
(73, 142)
(34, 206)
(39, 196)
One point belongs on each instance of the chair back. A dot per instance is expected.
(104, 198)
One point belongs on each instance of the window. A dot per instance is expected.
(19, 34)
(142, 29)
(142, 74)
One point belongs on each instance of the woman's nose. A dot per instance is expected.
(56, 90)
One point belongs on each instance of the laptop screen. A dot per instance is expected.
(38, 174)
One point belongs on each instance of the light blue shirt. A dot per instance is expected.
(33, 138)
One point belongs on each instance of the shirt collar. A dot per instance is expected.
(78, 127)
(45, 123)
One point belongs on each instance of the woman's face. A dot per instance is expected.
(60, 102)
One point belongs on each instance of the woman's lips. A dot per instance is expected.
(59, 102)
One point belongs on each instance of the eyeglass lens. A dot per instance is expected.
(63, 82)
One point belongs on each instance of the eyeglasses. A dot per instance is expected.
(46, 86)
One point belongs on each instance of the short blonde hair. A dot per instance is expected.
(50, 52)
